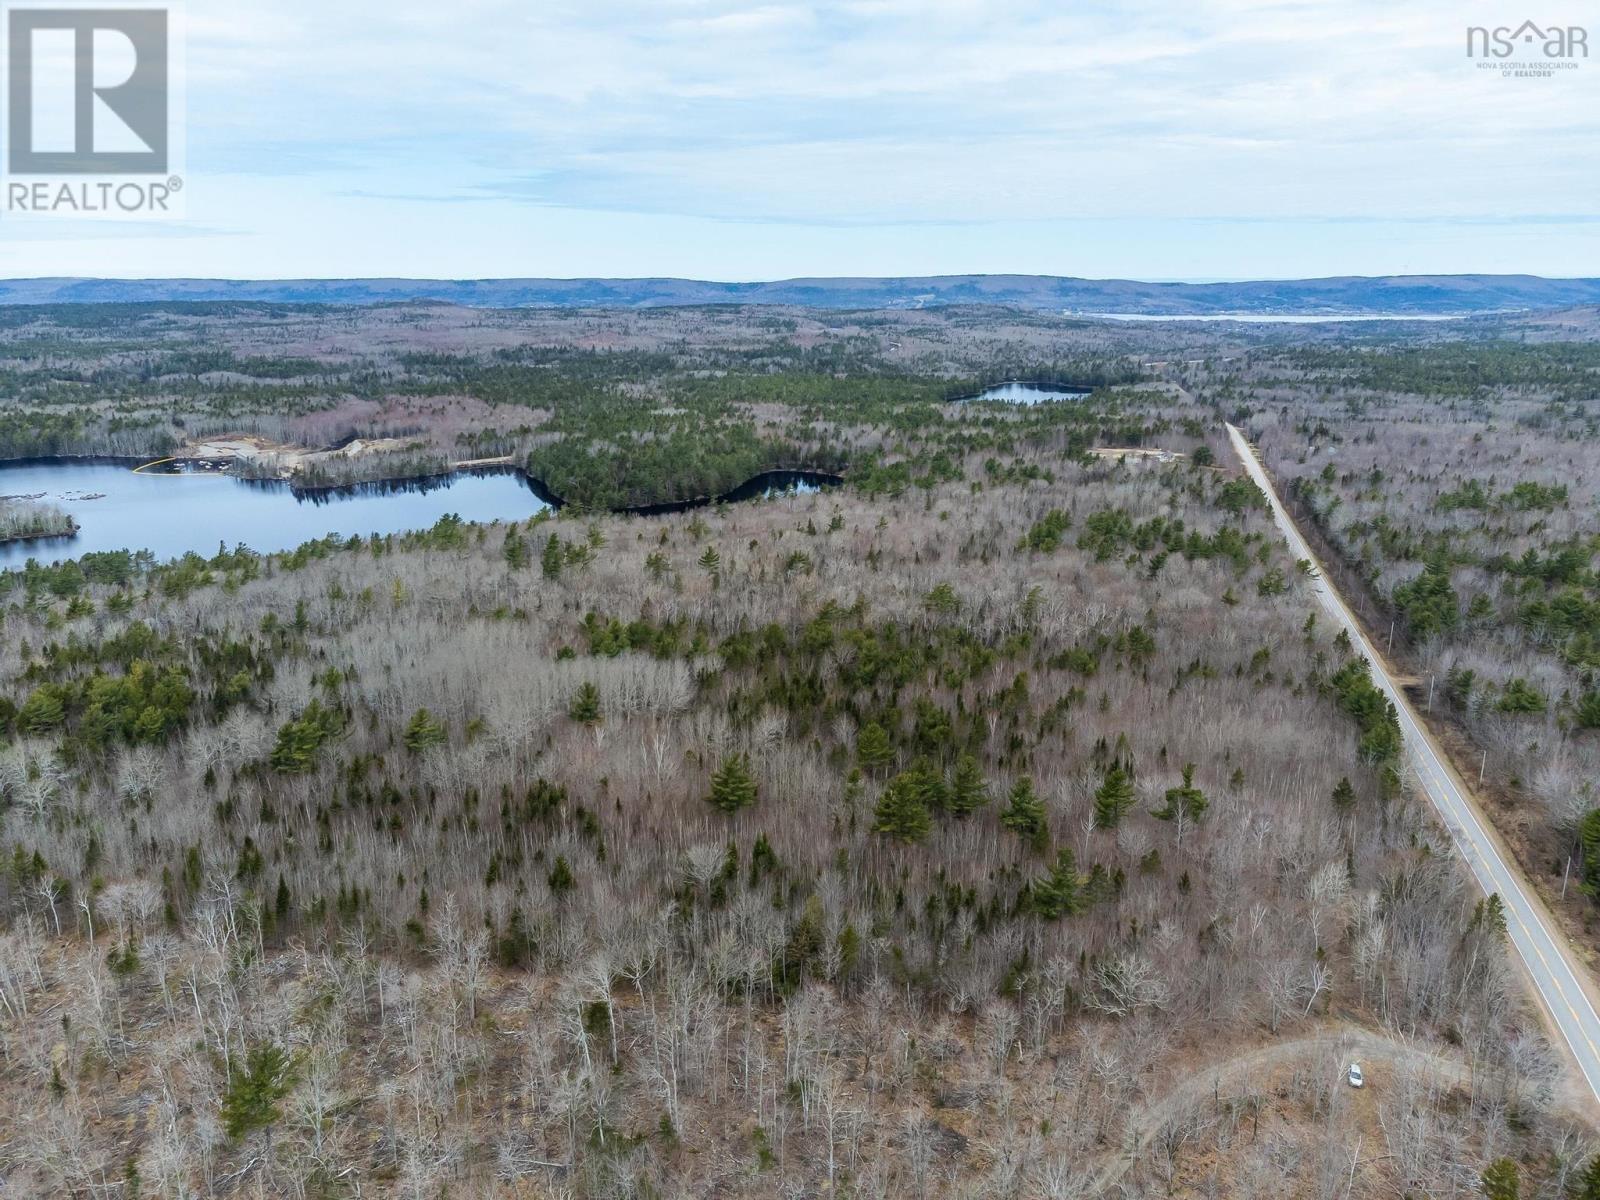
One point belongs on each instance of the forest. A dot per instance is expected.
(1002, 823)
(1460, 487)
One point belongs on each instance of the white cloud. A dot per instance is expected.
(879, 111)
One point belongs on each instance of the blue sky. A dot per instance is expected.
(1163, 139)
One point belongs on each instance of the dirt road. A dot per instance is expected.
(1380, 1057)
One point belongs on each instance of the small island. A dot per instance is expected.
(26, 520)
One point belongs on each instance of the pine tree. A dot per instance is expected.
(931, 785)
(873, 750)
(711, 564)
(1025, 815)
(849, 945)
(902, 810)
(515, 550)
(732, 785)
(1587, 1185)
(1489, 914)
(1501, 1181)
(586, 705)
(1115, 797)
(282, 904)
(256, 1089)
(551, 561)
(1059, 894)
(1589, 840)
(1188, 800)
(1587, 712)
(560, 879)
(1344, 796)
(968, 791)
(424, 732)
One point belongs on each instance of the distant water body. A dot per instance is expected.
(1020, 391)
(1280, 318)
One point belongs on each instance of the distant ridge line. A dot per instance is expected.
(1333, 296)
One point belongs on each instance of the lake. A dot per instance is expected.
(1017, 391)
(769, 485)
(1283, 318)
(117, 508)
(170, 515)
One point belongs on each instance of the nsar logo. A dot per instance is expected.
(1528, 51)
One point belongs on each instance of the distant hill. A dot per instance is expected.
(1341, 295)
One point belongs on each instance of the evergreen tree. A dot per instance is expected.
(515, 550)
(873, 750)
(1059, 894)
(1025, 815)
(300, 739)
(1587, 712)
(1344, 796)
(1115, 797)
(1589, 840)
(282, 905)
(1428, 601)
(256, 1088)
(560, 879)
(1187, 799)
(930, 784)
(732, 785)
(586, 705)
(1501, 1181)
(849, 945)
(711, 564)
(902, 810)
(1587, 1185)
(552, 559)
(424, 732)
(42, 711)
(968, 791)
(1489, 914)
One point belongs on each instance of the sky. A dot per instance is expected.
(1157, 139)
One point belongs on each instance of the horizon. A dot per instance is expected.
(929, 275)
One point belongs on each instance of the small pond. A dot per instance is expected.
(1018, 391)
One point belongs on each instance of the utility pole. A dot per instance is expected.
(1390, 649)
(1565, 871)
(1431, 678)
(1483, 766)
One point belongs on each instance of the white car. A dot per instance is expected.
(1357, 1079)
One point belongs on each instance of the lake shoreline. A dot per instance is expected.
(113, 507)
(539, 487)
(16, 539)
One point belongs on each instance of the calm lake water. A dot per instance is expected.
(1017, 392)
(171, 515)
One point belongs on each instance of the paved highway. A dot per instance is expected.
(1554, 972)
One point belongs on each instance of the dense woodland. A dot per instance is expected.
(928, 837)
(1461, 483)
